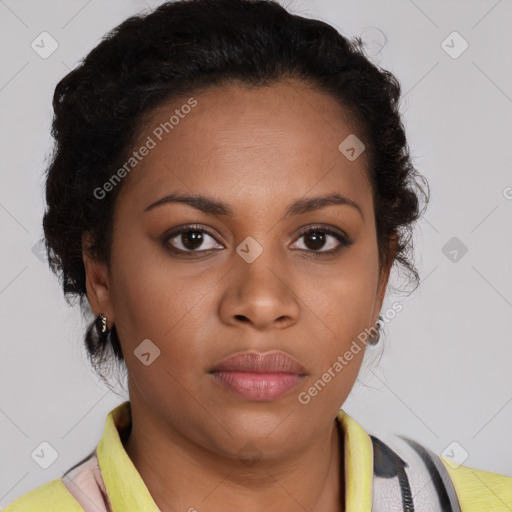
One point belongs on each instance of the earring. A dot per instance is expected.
(375, 339)
(98, 334)
(104, 328)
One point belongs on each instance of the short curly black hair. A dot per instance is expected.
(186, 46)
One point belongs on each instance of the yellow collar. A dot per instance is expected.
(358, 464)
(127, 491)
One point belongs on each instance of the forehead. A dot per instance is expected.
(237, 140)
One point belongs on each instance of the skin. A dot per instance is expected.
(257, 150)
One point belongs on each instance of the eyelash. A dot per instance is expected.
(344, 240)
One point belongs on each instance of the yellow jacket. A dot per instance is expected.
(395, 476)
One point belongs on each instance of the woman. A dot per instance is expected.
(230, 188)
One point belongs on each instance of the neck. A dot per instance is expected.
(181, 475)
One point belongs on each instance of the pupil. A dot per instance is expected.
(315, 236)
(192, 239)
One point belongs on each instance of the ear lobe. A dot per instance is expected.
(97, 281)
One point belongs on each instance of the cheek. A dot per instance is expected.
(154, 299)
(152, 303)
(344, 297)
(337, 356)
(343, 303)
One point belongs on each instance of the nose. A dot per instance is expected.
(261, 295)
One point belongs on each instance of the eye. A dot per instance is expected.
(190, 238)
(315, 239)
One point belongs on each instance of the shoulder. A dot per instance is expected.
(80, 489)
(480, 490)
(52, 496)
(408, 474)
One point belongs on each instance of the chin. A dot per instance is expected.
(257, 434)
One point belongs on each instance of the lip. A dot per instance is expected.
(254, 362)
(259, 377)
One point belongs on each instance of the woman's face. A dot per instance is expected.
(182, 303)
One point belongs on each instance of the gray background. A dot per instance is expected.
(445, 372)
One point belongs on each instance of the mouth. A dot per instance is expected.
(259, 377)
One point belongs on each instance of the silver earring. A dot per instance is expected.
(375, 339)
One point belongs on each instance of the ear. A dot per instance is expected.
(384, 276)
(97, 282)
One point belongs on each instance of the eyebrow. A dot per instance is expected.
(215, 207)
